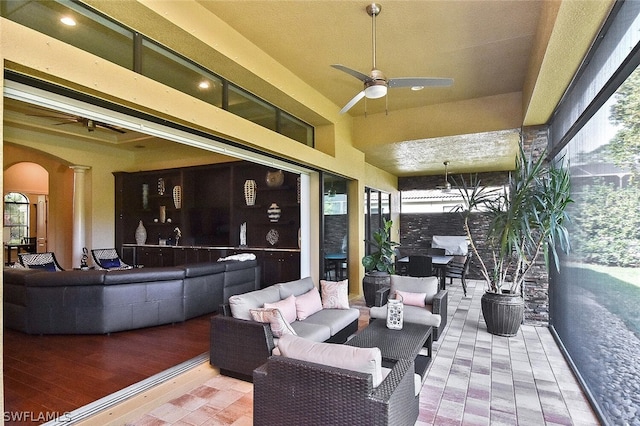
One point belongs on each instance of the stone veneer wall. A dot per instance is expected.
(416, 230)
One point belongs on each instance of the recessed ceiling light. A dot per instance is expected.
(204, 84)
(416, 88)
(67, 20)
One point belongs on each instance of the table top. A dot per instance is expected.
(435, 260)
(394, 344)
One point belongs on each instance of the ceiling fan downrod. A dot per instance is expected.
(373, 10)
(447, 185)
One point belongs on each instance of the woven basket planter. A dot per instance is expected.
(503, 313)
(371, 283)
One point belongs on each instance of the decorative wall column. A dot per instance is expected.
(78, 213)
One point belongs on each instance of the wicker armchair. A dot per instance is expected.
(438, 305)
(288, 391)
(458, 268)
(46, 261)
(108, 259)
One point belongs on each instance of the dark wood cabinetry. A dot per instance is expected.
(261, 230)
(280, 266)
(154, 256)
(208, 205)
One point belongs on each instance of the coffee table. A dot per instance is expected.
(394, 345)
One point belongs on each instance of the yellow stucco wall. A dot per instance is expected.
(31, 53)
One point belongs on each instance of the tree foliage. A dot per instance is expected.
(624, 148)
(606, 225)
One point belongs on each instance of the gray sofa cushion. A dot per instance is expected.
(240, 304)
(312, 331)
(296, 287)
(335, 319)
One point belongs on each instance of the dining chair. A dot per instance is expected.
(419, 266)
(458, 268)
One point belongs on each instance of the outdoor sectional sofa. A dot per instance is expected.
(105, 301)
(239, 344)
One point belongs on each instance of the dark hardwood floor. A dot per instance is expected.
(60, 373)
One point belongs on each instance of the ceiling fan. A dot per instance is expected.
(90, 124)
(447, 185)
(376, 84)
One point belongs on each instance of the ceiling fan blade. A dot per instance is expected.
(419, 81)
(110, 127)
(352, 102)
(357, 74)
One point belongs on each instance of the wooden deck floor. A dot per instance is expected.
(60, 373)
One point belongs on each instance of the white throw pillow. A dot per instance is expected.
(287, 308)
(335, 294)
(308, 304)
(273, 316)
(364, 360)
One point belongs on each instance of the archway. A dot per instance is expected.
(32, 180)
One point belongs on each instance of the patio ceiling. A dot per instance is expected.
(511, 62)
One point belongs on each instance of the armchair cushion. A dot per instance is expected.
(110, 263)
(413, 299)
(364, 360)
(308, 304)
(286, 306)
(49, 267)
(412, 314)
(428, 285)
(273, 316)
(335, 295)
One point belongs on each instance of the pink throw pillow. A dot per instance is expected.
(412, 299)
(287, 308)
(335, 294)
(308, 304)
(272, 316)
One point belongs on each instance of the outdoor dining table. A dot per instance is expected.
(438, 262)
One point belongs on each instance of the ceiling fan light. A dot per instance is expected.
(416, 88)
(376, 91)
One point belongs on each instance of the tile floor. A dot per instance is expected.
(475, 379)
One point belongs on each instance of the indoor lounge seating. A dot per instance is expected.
(103, 301)
(423, 303)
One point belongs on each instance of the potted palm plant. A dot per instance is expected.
(526, 219)
(379, 265)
